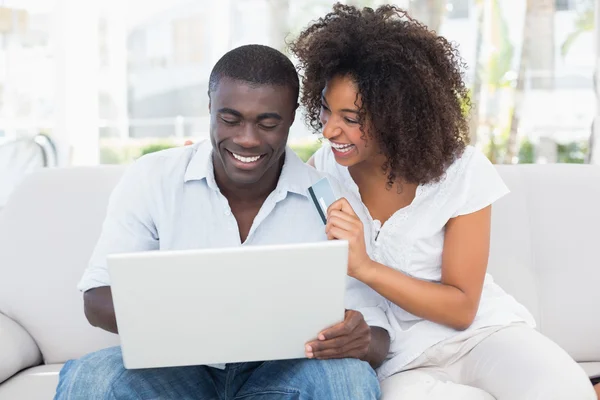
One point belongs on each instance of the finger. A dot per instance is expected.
(317, 346)
(351, 320)
(343, 205)
(343, 215)
(345, 352)
(342, 224)
(337, 233)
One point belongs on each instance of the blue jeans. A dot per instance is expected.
(101, 375)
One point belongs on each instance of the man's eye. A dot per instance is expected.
(267, 127)
(229, 121)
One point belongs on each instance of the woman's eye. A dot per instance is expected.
(351, 121)
(324, 107)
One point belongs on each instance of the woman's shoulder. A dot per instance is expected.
(472, 182)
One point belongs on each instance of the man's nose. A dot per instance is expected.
(248, 137)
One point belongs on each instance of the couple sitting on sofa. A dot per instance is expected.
(388, 96)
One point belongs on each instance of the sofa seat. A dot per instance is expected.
(592, 369)
(37, 383)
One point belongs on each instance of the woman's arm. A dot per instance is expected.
(452, 302)
(455, 300)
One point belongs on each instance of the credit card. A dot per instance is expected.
(322, 196)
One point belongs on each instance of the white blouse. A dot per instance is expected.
(412, 241)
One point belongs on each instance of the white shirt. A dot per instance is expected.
(412, 241)
(169, 200)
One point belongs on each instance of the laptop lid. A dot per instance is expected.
(241, 304)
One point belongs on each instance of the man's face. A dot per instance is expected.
(249, 127)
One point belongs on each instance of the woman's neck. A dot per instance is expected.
(371, 173)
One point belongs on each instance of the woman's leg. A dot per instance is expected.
(519, 363)
(428, 384)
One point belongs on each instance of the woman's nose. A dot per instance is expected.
(330, 129)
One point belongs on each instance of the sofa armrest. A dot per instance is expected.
(17, 348)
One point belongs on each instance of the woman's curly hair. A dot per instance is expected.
(409, 79)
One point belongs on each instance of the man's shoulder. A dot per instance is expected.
(170, 163)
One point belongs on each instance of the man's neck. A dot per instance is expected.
(249, 193)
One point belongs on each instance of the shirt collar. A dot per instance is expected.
(294, 177)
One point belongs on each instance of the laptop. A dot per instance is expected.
(213, 306)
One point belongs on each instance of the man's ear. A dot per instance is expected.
(209, 100)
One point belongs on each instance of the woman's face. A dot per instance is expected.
(339, 115)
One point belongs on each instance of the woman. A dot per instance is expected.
(389, 97)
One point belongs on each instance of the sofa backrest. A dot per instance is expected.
(545, 252)
(47, 232)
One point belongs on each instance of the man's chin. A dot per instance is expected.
(244, 177)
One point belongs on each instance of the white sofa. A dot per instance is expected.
(545, 251)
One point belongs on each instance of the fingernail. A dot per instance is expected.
(309, 349)
(309, 355)
(321, 337)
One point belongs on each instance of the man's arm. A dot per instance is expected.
(99, 309)
(128, 227)
(379, 346)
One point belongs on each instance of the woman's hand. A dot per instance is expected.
(344, 224)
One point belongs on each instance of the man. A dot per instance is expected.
(244, 188)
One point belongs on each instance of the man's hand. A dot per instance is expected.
(348, 339)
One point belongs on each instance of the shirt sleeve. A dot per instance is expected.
(128, 226)
(369, 303)
(481, 186)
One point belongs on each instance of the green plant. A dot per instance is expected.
(153, 147)
(306, 150)
(572, 153)
(112, 155)
(584, 22)
(526, 152)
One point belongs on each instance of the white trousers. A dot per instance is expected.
(503, 363)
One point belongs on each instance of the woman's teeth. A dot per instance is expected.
(245, 159)
(342, 148)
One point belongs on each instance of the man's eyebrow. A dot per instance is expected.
(230, 111)
(269, 116)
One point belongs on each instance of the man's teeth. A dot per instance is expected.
(342, 148)
(246, 159)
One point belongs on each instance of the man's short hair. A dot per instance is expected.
(256, 64)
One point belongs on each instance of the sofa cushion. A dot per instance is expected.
(545, 250)
(47, 233)
(38, 383)
(17, 348)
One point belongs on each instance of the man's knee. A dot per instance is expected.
(91, 376)
(346, 377)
